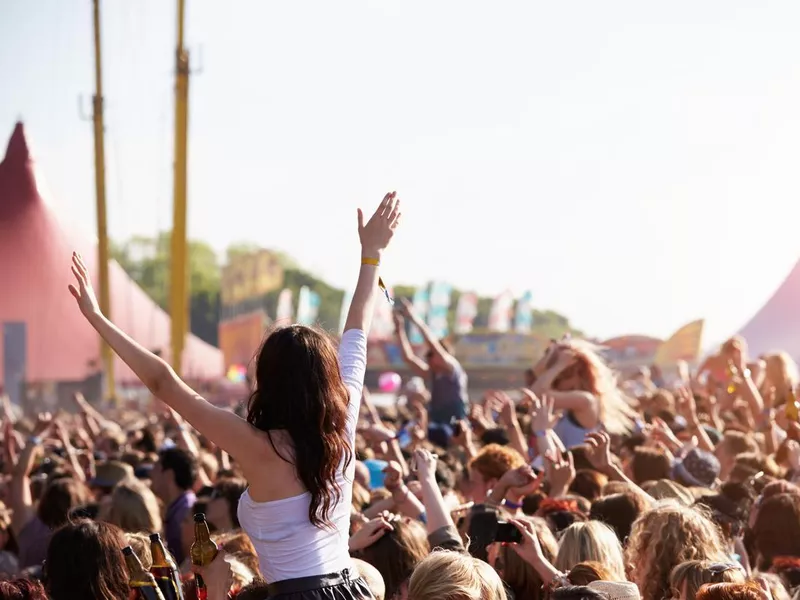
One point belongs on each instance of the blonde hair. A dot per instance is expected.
(133, 507)
(591, 541)
(664, 537)
(445, 575)
(694, 574)
(781, 372)
(600, 380)
(140, 543)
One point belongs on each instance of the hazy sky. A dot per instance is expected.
(635, 164)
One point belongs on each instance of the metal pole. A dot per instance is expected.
(100, 188)
(179, 301)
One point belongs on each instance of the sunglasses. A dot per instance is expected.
(718, 569)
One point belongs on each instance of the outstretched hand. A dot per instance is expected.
(376, 233)
(83, 292)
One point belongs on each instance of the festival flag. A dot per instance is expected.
(421, 304)
(305, 311)
(284, 310)
(500, 314)
(346, 301)
(382, 320)
(439, 307)
(466, 311)
(683, 345)
(523, 318)
(314, 302)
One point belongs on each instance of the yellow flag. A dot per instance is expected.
(683, 345)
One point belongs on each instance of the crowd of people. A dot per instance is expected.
(582, 485)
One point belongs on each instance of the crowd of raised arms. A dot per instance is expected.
(581, 486)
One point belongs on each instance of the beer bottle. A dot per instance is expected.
(203, 551)
(792, 407)
(164, 570)
(140, 580)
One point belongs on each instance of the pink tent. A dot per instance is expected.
(34, 273)
(777, 325)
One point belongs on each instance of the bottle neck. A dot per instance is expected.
(201, 531)
(159, 554)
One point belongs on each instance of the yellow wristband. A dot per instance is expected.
(371, 261)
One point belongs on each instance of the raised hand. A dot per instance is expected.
(560, 473)
(369, 533)
(44, 422)
(542, 415)
(376, 234)
(393, 476)
(598, 451)
(406, 309)
(83, 293)
(529, 550)
(425, 463)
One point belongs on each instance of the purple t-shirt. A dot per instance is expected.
(176, 513)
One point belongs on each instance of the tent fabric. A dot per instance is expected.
(36, 249)
(776, 326)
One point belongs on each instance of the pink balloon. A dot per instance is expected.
(389, 383)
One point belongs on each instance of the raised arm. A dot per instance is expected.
(419, 366)
(567, 400)
(375, 236)
(227, 430)
(432, 341)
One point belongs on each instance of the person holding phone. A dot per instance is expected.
(448, 379)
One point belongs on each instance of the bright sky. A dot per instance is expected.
(632, 163)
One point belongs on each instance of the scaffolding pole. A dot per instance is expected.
(179, 296)
(100, 188)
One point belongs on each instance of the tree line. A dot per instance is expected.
(146, 260)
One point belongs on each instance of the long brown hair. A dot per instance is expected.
(299, 389)
(518, 574)
(59, 498)
(398, 553)
(85, 562)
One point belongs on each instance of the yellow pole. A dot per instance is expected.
(179, 302)
(100, 187)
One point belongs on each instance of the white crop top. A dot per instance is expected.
(288, 545)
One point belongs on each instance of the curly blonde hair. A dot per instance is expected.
(663, 538)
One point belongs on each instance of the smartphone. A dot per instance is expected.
(404, 435)
(455, 425)
(507, 533)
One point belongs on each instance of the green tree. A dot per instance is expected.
(146, 260)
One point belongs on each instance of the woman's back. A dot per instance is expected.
(289, 546)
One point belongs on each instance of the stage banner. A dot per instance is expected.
(240, 338)
(500, 314)
(684, 345)
(466, 311)
(630, 351)
(307, 306)
(249, 276)
(439, 308)
(523, 317)
(421, 304)
(283, 314)
(504, 350)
